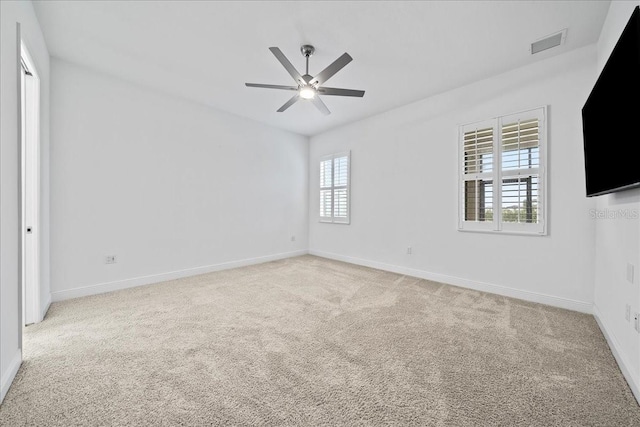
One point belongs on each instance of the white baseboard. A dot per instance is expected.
(8, 376)
(623, 363)
(569, 304)
(163, 277)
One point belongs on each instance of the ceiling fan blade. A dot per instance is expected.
(271, 86)
(340, 92)
(328, 72)
(320, 105)
(289, 67)
(289, 103)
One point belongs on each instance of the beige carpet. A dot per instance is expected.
(308, 341)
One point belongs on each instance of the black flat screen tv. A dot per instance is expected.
(611, 118)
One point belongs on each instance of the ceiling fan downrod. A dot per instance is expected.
(307, 50)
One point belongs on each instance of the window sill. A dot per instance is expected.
(334, 222)
(507, 232)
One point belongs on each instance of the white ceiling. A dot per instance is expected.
(402, 51)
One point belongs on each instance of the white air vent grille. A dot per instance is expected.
(548, 42)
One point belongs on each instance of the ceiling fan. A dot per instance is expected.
(309, 87)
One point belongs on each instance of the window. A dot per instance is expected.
(502, 174)
(334, 188)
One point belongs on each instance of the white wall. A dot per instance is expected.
(404, 189)
(172, 188)
(10, 14)
(618, 239)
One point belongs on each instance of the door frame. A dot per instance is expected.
(29, 128)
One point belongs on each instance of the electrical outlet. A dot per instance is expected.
(630, 268)
(293, 238)
(627, 313)
(409, 250)
(636, 321)
(110, 259)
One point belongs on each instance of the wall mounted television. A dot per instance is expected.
(611, 118)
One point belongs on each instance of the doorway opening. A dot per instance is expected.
(29, 188)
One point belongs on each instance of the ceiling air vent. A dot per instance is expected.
(548, 42)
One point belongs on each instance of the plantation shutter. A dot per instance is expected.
(340, 190)
(477, 164)
(521, 179)
(326, 182)
(502, 174)
(334, 188)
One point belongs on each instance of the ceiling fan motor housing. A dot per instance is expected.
(307, 50)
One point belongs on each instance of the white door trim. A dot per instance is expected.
(30, 189)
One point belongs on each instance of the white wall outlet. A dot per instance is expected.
(409, 250)
(636, 321)
(110, 259)
(293, 238)
(627, 313)
(630, 268)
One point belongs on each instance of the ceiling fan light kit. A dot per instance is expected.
(309, 87)
(307, 92)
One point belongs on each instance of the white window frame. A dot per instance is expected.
(497, 175)
(332, 219)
